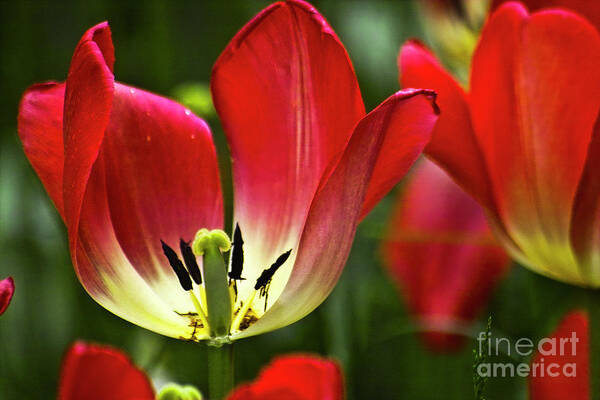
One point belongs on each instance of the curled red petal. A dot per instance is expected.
(7, 290)
(88, 102)
(295, 377)
(96, 372)
(331, 224)
(40, 131)
(569, 361)
(288, 98)
(441, 253)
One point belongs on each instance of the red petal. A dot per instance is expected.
(453, 145)
(551, 124)
(88, 101)
(7, 290)
(40, 130)
(562, 386)
(162, 178)
(99, 372)
(288, 98)
(393, 160)
(588, 8)
(334, 214)
(295, 378)
(442, 255)
(585, 224)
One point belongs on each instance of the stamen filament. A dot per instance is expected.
(199, 309)
(243, 311)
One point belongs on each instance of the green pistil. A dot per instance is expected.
(209, 245)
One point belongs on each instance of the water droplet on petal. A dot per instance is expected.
(132, 90)
(193, 136)
(187, 112)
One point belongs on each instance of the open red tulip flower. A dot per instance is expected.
(93, 372)
(135, 177)
(525, 141)
(7, 290)
(295, 377)
(566, 374)
(442, 255)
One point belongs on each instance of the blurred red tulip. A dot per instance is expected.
(571, 369)
(132, 173)
(94, 372)
(7, 290)
(525, 142)
(442, 255)
(587, 8)
(298, 377)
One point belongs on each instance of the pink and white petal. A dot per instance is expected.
(288, 98)
(88, 101)
(334, 214)
(7, 290)
(162, 181)
(111, 279)
(585, 223)
(453, 145)
(40, 131)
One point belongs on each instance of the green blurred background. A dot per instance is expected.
(166, 46)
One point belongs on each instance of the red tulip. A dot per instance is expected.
(295, 378)
(7, 290)
(570, 369)
(587, 8)
(442, 255)
(523, 141)
(100, 372)
(136, 174)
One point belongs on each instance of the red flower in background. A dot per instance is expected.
(94, 372)
(523, 141)
(7, 290)
(442, 255)
(133, 174)
(298, 377)
(588, 8)
(564, 385)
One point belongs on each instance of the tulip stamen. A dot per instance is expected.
(237, 255)
(263, 283)
(190, 261)
(182, 274)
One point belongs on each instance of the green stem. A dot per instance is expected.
(220, 371)
(593, 309)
